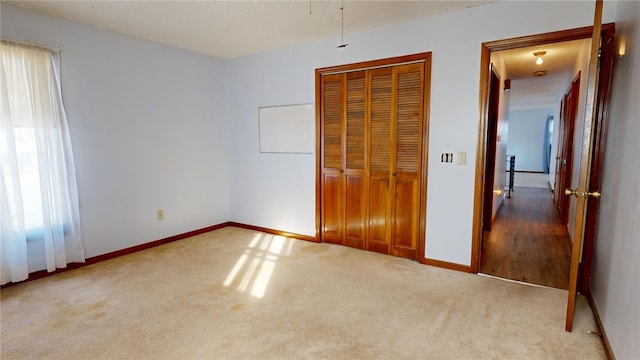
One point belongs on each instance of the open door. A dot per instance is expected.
(583, 193)
(591, 147)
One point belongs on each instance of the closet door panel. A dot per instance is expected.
(379, 214)
(379, 146)
(332, 228)
(332, 199)
(354, 173)
(405, 227)
(408, 142)
(355, 211)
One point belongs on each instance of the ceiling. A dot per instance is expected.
(229, 29)
(235, 28)
(528, 91)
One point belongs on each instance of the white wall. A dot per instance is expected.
(147, 129)
(278, 190)
(616, 282)
(527, 133)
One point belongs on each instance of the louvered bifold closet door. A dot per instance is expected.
(409, 99)
(354, 171)
(379, 146)
(332, 124)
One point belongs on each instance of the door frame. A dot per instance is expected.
(481, 154)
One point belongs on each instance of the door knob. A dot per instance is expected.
(569, 192)
(595, 194)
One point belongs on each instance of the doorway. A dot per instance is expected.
(531, 213)
(527, 239)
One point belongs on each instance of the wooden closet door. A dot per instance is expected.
(354, 173)
(379, 146)
(332, 200)
(408, 142)
(372, 127)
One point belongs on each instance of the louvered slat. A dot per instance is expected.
(356, 95)
(380, 126)
(408, 133)
(331, 122)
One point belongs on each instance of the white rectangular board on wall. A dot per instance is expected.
(287, 129)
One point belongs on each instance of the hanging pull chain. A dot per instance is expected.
(342, 44)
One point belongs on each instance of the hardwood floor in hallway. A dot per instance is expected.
(527, 241)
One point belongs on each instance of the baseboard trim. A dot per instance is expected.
(422, 260)
(603, 335)
(155, 243)
(448, 265)
(274, 232)
(96, 259)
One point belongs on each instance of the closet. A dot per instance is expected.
(372, 145)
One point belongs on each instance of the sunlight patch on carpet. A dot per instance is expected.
(255, 266)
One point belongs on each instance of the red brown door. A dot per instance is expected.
(492, 134)
(565, 147)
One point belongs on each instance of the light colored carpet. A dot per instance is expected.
(235, 293)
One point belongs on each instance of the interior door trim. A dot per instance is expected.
(485, 58)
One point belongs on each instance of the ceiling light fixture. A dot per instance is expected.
(539, 55)
(342, 44)
(539, 73)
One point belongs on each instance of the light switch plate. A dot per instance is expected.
(462, 158)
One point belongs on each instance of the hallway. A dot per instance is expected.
(527, 242)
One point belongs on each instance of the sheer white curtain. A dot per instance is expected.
(39, 217)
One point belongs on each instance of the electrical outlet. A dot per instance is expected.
(160, 214)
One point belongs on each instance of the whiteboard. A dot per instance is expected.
(287, 129)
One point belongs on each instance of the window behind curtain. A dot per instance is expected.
(37, 185)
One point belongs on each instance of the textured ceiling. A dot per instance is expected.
(560, 56)
(236, 28)
(229, 29)
(528, 91)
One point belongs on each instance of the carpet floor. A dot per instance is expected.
(240, 294)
